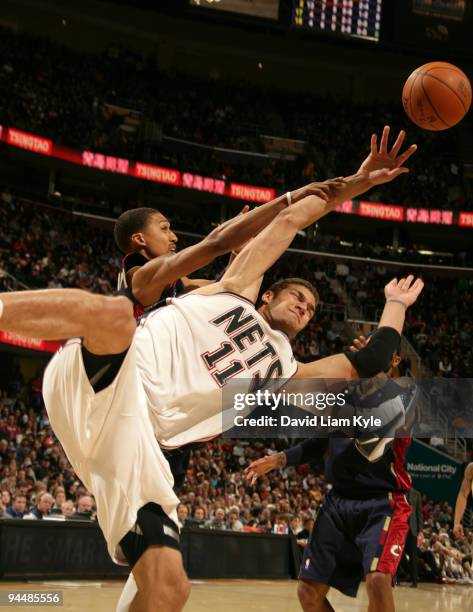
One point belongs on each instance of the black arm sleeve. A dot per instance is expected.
(378, 354)
(308, 451)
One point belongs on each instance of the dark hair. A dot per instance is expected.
(18, 496)
(284, 283)
(130, 222)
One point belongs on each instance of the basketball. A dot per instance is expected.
(437, 96)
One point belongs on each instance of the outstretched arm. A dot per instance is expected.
(148, 281)
(377, 355)
(305, 452)
(266, 248)
(460, 506)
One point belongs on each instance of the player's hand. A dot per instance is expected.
(406, 291)
(380, 158)
(358, 344)
(458, 531)
(324, 190)
(385, 175)
(260, 467)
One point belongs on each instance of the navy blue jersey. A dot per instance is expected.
(347, 469)
(135, 260)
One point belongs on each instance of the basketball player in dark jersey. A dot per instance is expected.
(361, 527)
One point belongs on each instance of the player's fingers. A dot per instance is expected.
(401, 160)
(404, 283)
(323, 195)
(245, 209)
(374, 144)
(397, 172)
(398, 144)
(417, 286)
(383, 147)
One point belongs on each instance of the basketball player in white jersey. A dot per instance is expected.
(97, 407)
(466, 490)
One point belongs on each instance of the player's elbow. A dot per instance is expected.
(287, 221)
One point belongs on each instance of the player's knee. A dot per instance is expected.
(378, 584)
(310, 593)
(172, 595)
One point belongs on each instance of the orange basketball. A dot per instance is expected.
(437, 96)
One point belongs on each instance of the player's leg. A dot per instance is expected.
(152, 550)
(161, 580)
(381, 541)
(313, 596)
(105, 323)
(380, 592)
(321, 565)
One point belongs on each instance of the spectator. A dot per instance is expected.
(182, 514)
(218, 521)
(18, 507)
(67, 508)
(234, 523)
(415, 527)
(85, 506)
(43, 507)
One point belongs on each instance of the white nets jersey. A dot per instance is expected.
(188, 352)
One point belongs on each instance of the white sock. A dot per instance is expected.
(128, 594)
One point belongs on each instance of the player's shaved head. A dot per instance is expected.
(130, 222)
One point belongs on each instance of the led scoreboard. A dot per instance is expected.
(361, 18)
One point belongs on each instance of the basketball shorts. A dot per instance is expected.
(353, 537)
(153, 527)
(98, 410)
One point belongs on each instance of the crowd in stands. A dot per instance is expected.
(70, 97)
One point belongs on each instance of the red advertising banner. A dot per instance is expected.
(197, 182)
(387, 212)
(465, 219)
(30, 142)
(47, 346)
(157, 174)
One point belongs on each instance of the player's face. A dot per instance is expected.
(291, 309)
(159, 238)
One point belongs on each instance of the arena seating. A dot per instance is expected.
(69, 97)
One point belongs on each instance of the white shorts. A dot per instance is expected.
(109, 440)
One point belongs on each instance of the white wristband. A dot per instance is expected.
(289, 198)
(398, 301)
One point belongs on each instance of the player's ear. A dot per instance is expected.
(267, 297)
(138, 240)
(396, 361)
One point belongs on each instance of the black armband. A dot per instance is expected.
(378, 354)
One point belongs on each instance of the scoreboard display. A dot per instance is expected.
(359, 18)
